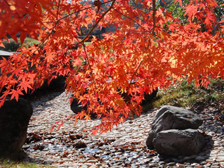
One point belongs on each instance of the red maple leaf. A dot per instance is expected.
(191, 11)
(15, 94)
(24, 85)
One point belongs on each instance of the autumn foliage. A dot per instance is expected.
(150, 46)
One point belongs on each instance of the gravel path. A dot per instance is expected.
(124, 146)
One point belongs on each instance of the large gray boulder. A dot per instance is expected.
(181, 126)
(170, 117)
(175, 142)
(14, 119)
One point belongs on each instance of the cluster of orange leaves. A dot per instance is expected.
(152, 55)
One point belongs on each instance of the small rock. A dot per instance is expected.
(199, 158)
(171, 164)
(80, 144)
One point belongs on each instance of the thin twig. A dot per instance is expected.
(7, 3)
(90, 67)
(132, 78)
(96, 24)
(58, 8)
(64, 17)
(130, 19)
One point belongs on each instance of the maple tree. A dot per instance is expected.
(149, 46)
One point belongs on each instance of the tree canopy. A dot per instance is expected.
(143, 42)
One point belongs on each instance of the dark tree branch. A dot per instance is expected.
(154, 15)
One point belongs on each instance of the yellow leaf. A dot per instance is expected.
(12, 8)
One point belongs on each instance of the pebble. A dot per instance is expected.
(171, 164)
(124, 146)
(200, 158)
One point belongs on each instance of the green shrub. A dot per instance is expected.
(185, 94)
(12, 45)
